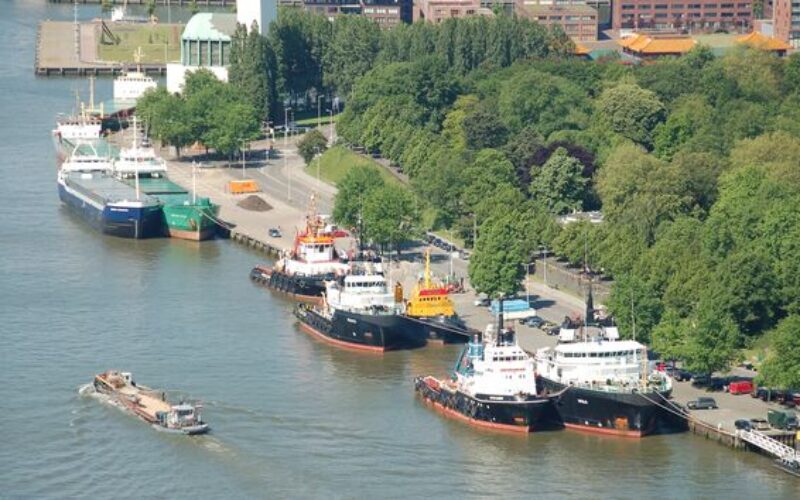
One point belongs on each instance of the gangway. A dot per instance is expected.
(770, 445)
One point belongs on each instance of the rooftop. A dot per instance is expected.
(577, 9)
(210, 26)
(648, 45)
(762, 42)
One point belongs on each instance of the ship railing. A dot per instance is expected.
(620, 388)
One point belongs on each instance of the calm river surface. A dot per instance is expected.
(291, 417)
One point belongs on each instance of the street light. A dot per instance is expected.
(244, 142)
(319, 156)
(333, 128)
(319, 111)
(527, 282)
(286, 127)
(543, 250)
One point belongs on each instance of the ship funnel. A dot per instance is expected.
(398, 293)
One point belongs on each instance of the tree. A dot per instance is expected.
(151, 8)
(353, 190)
(167, 117)
(522, 150)
(483, 129)
(630, 111)
(559, 184)
(496, 264)
(546, 102)
(105, 6)
(193, 7)
(489, 172)
(389, 215)
(782, 367)
(313, 143)
(636, 307)
(712, 340)
(233, 124)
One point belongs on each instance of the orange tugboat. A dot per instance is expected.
(303, 272)
(430, 311)
(150, 405)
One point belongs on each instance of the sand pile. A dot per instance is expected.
(255, 204)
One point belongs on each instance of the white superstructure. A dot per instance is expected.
(599, 363)
(496, 366)
(138, 160)
(362, 292)
(132, 85)
(78, 128)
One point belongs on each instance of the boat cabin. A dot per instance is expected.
(364, 292)
(496, 365)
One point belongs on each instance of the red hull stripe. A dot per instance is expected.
(517, 429)
(605, 430)
(341, 343)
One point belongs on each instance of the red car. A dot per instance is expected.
(741, 387)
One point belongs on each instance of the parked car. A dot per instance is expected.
(274, 232)
(535, 321)
(702, 404)
(678, 374)
(782, 419)
(741, 387)
(759, 424)
(482, 302)
(744, 425)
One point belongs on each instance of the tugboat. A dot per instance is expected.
(607, 385)
(358, 312)
(150, 405)
(302, 273)
(493, 386)
(430, 312)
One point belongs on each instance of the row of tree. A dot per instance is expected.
(306, 56)
(691, 160)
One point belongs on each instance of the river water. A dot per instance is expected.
(292, 417)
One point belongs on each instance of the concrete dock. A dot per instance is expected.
(551, 304)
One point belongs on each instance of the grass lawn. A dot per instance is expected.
(312, 121)
(152, 40)
(336, 161)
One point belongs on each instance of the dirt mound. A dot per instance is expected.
(255, 203)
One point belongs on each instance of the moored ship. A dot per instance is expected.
(493, 386)
(72, 130)
(430, 312)
(185, 215)
(150, 405)
(359, 312)
(86, 185)
(607, 386)
(302, 272)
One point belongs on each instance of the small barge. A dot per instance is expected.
(150, 405)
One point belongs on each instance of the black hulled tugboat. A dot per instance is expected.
(493, 386)
(359, 312)
(606, 385)
(302, 272)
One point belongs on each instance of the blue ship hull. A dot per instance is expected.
(124, 222)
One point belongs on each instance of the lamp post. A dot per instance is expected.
(543, 250)
(244, 142)
(318, 162)
(286, 127)
(528, 282)
(319, 111)
(333, 128)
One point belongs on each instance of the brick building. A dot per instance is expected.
(436, 11)
(697, 15)
(578, 20)
(786, 21)
(384, 12)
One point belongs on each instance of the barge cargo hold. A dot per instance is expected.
(150, 405)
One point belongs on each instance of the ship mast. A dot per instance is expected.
(135, 156)
(427, 282)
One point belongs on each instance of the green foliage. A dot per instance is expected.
(105, 6)
(488, 173)
(251, 70)
(151, 7)
(630, 111)
(559, 184)
(781, 369)
(353, 191)
(311, 144)
(483, 129)
(193, 7)
(546, 102)
(166, 117)
(636, 307)
(496, 265)
(389, 215)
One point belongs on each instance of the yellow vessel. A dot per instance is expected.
(428, 300)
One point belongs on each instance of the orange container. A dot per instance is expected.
(244, 186)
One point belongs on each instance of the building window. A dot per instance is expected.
(661, 6)
(743, 5)
(710, 6)
(628, 6)
(694, 6)
(677, 6)
(726, 5)
(661, 14)
(727, 14)
(470, 12)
